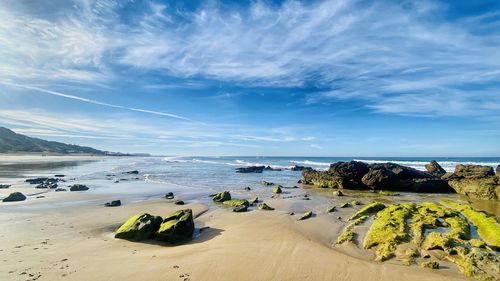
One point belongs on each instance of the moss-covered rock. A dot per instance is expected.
(437, 241)
(480, 264)
(368, 210)
(14, 196)
(266, 183)
(254, 200)
(240, 209)
(487, 226)
(330, 209)
(222, 196)
(435, 169)
(236, 202)
(430, 264)
(356, 202)
(487, 188)
(139, 227)
(388, 230)
(338, 193)
(264, 206)
(345, 205)
(306, 215)
(78, 187)
(277, 189)
(177, 227)
(348, 234)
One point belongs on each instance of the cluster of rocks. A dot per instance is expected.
(176, 228)
(260, 169)
(471, 180)
(45, 182)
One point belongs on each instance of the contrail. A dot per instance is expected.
(59, 94)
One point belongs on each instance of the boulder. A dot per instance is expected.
(15, 196)
(4, 186)
(435, 169)
(240, 208)
(114, 203)
(179, 202)
(78, 187)
(60, 189)
(340, 175)
(475, 181)
(222, 196)
(251, 169)
(176, 228)
(139, 227)
(254, 200)
(247, 188)
(277, 189)
(299, 168)
(264, 206)
(236, 202)
(306, 215)
(169, 195)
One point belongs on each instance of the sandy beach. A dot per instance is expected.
(70, 236)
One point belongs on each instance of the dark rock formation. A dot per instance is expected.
(59, 176)
(386, 176)
(176, 228)
(60, 189)
(47, 184)
(42, 180)
(240, 208)
(169, 195)
(4, 186)
(251, 169)
(299, 168)
(435, 169)
(134, 172)
(15, 196)
(114, 203)
(475, 181)
(269, 168)
(139, 227)
(222, 196)
(179, 202)
(78, 187)
(266, 183)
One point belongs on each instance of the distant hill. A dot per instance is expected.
(11, 142)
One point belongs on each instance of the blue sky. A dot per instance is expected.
(312, 78)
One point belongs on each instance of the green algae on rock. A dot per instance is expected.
(254, 200)
(330, 209)
(222, 196)
(367, 210)
(240, 209)
(306, 215)
(388, 230)
(437, 241)
(177, 227)
(264, 206)
(487, 226)
(348, 234)
(430, 264)
(236, 202)
(139, 227)
(277, 189)
(480, 264)
(356, 202)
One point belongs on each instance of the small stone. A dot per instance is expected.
(338, 193)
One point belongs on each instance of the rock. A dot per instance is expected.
(338, 193)
(254, 200)
(430, 264)
(15, 196)
(240, 208)
(236, 202)
(114, 203)
(306, 215)
(340, 175)
(277, 190)
(475, 181)
(291, 213)
(498, 170)
(473, 171)
(139, 227)
(4, 186)
(59, 176)
(299, 168)
(266, 183)
(176, 228)
(78, 187)
(251, 169)
(435, 169)
(134, 172)
(264, 206)
(330, 209)
(179, 202)
(36, 180)
(39, 197)
(47, 184)
(356, 202)
(169, 195)
(368, 210)
(247, 188)
(345, 205)
(222, 196)
(269, 168)
(60, 189)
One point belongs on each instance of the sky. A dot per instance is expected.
(266, 78)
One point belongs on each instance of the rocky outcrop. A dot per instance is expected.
(299, 168)
(47, 184)
(78, 187)
(475, 181)
(114, 203)
(251, 169)
(14, 197)
(43, 181)
(139, 227)
(384, 176)
(177, 227)
(435, 169)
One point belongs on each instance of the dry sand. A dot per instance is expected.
(76, 243)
